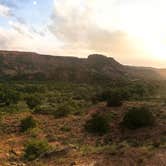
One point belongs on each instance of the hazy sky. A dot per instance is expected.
(131, 31)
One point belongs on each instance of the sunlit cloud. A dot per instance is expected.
(133, 32)
(126, 30)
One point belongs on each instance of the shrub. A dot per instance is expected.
(34, 132)
(105, 95)
(61, 111)
(8, 96)
(65, 128)
(10, 109)
(98, 124)
(33, 88)
(34, 148)
(101, 96)
(28, 123)
(33, 101)
(44, 109)
(115, 99)
(138, 117)
(65, 109)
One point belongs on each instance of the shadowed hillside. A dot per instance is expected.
(33, 66)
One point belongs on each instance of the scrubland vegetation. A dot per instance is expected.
(48, 123)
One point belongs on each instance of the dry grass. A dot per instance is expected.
(119, 147)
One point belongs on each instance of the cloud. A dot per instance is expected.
(77, 25)
(25, 38)
(12, 3)
(20, 35)
(3, 40)
(124, 30)
(82, 27)
(9, 3)
(8, 9)
(5, 11)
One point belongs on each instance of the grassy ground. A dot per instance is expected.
(120, 147)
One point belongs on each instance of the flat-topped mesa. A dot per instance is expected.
(32, 66)
(102, 59)
(97, 57)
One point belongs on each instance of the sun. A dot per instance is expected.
(34, 2)
(145, 24)
(148, 26)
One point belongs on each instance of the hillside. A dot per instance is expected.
(79, 124)
(61, 125)
(33, 66)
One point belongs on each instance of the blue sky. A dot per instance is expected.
(131, 31)
(35, 13)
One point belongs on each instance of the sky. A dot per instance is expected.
(131, 31)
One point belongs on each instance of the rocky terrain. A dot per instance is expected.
(32, 66)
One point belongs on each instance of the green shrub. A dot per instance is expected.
(138, 117)
(65, 128)
(34, 132)
(34, 148)
(10, 109)
(44, 109)
(64, 109)
(33, 88)
(115, 99)
(101, 96)
(9, 96)
(104, 95)
(28, 123)
(33, 101)
(98, 124)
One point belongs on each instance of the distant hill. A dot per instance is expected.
(32, 66)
